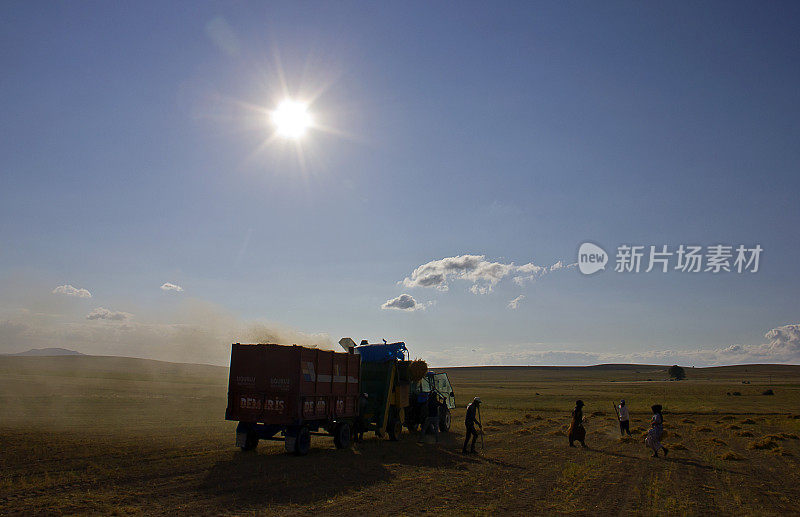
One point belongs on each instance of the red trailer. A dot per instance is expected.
(292, 391)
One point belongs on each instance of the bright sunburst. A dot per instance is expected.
(291, 119)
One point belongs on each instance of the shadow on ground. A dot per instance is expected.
(671, 459)
(253, 479)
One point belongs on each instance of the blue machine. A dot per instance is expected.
(382, 353)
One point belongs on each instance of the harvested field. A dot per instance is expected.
(109, 436)
(732, 456)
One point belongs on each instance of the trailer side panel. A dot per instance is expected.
(287, 385)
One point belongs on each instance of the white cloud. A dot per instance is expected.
(171, 287)
(483, 274)
(404, 302)
(783, 347)
(531, 272)
(560, 265)
(513, 304)
(480, 289)
(102, 313)
(69, 290)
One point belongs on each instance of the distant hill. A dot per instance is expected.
(108, 368)
(64, 362)
(46, 352)
(618, 373)
(595, 367)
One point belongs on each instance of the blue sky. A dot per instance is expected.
(135, 150)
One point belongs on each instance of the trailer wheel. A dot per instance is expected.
(251, 442)
(445, 420)
(394, 429)
(342, 435)
(250, 435)
(302, 443)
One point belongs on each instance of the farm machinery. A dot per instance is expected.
(398, 390)
(290, 393)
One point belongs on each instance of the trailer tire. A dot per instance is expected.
(342, 435)
(302, 442)
(394, 429)
(445, 420)
(251, 437)
(251, 442)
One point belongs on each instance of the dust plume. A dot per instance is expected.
(193, 331)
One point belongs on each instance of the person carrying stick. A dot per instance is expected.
(624, 418)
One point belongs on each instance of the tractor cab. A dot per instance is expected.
(432, 383)
(440, 384)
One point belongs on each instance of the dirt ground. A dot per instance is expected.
(122, 436)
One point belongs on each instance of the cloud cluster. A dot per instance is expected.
(404, 302)
(171, 287)
(69, 290)
(483, 274)
(783, 346)
(101, 313)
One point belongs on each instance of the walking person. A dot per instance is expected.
(653, 439)
(469, 422)
(624, 419)
(576, 429)
(432, 417)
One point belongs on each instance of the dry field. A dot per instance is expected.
(123, 436)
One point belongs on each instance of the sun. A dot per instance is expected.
(291, 119)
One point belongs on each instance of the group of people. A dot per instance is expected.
(577, 432)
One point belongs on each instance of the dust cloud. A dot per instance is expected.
(194, 331)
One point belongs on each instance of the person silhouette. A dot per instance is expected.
(576, 429)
